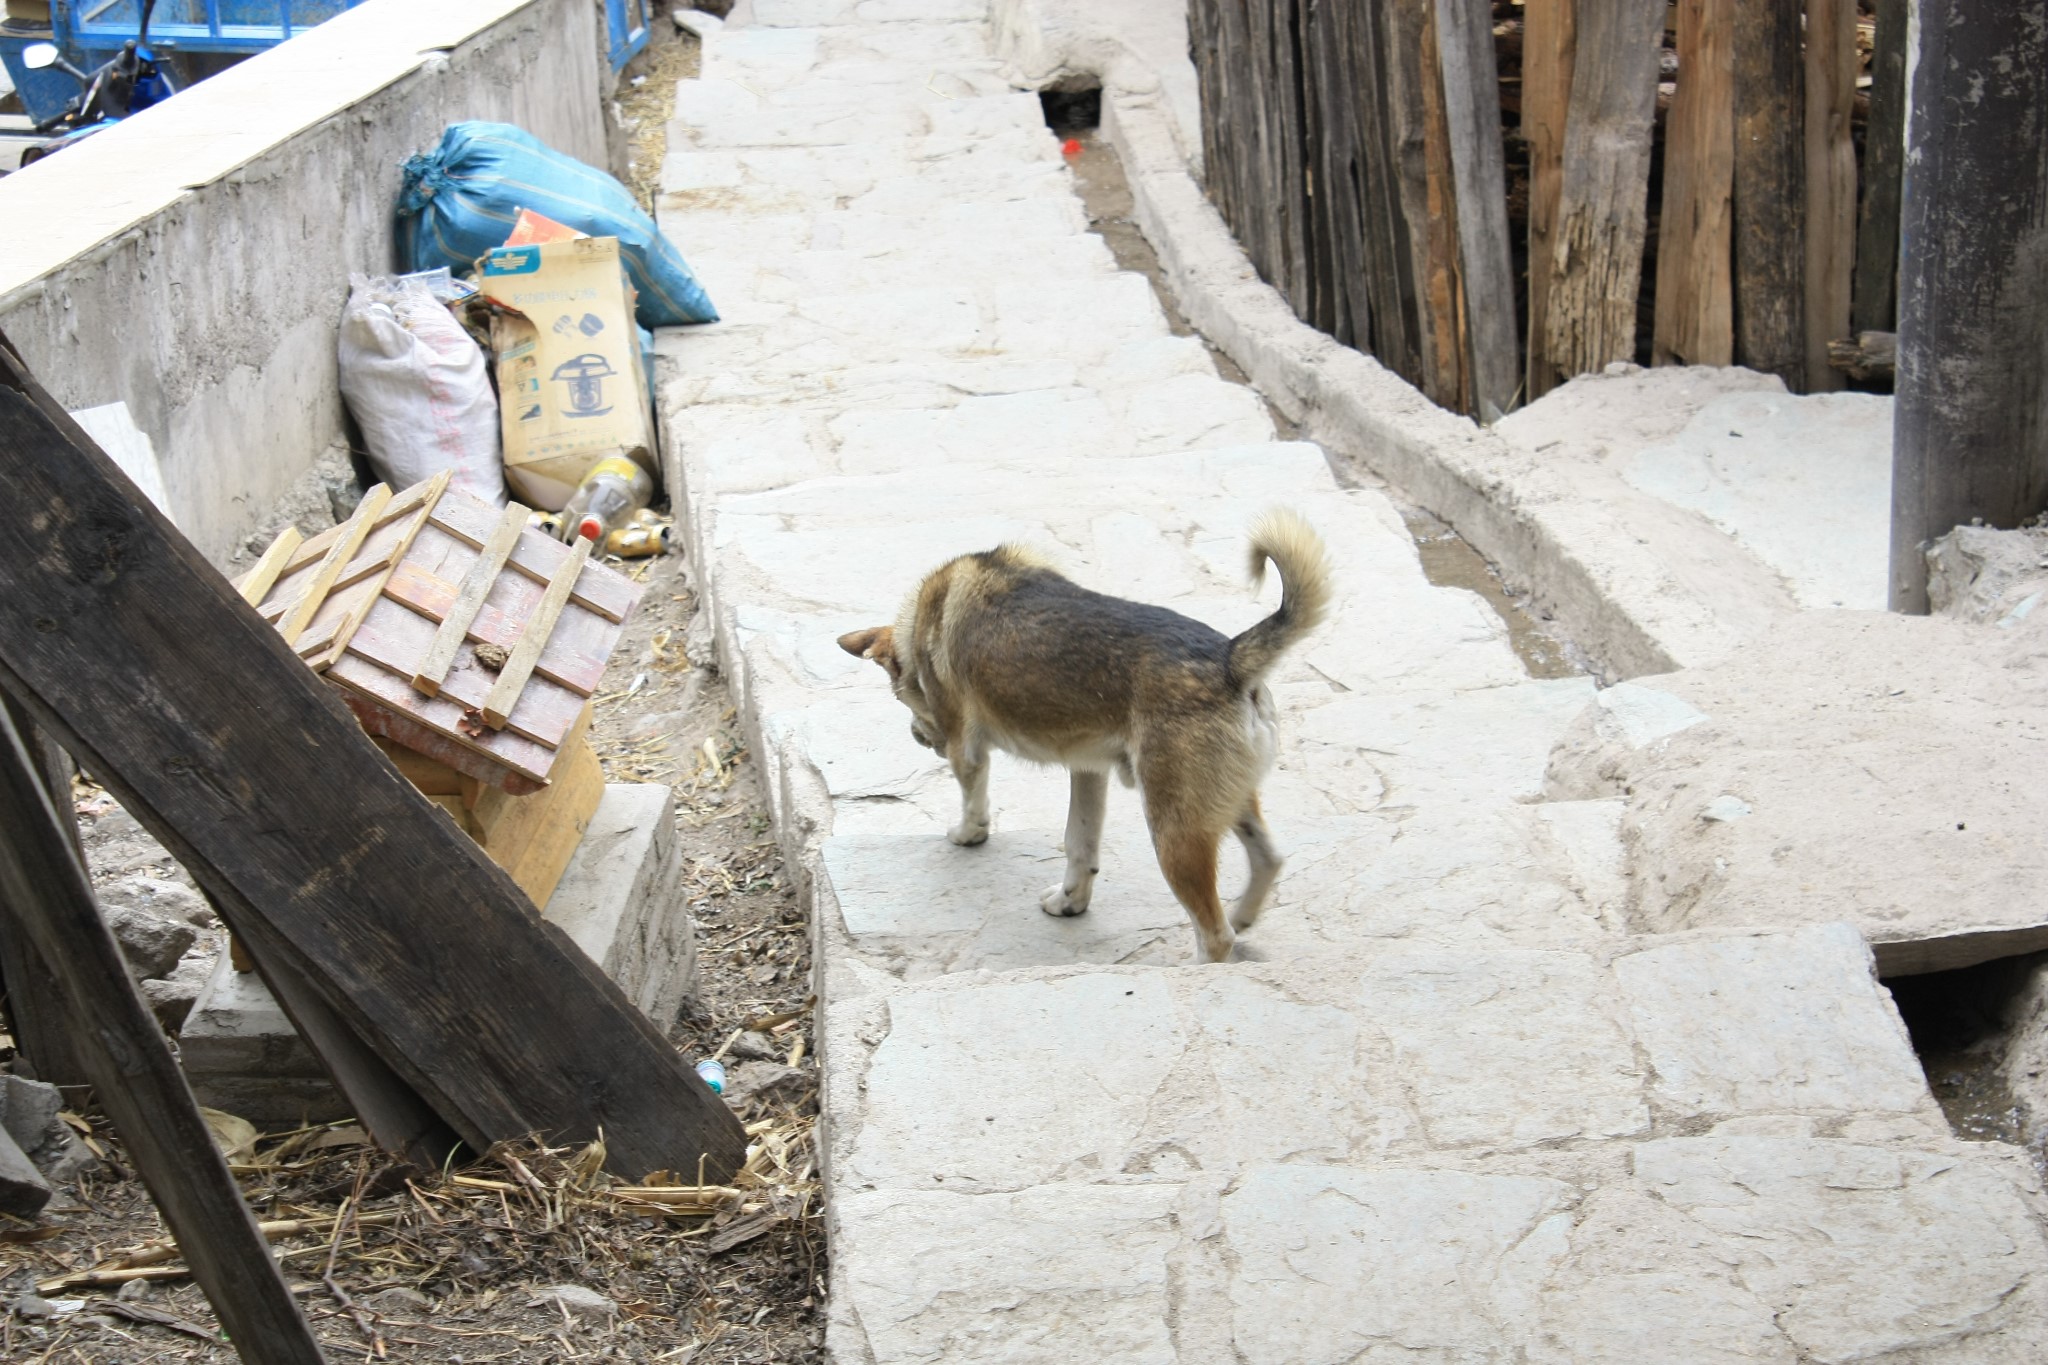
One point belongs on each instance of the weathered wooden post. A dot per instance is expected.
(1970, 429)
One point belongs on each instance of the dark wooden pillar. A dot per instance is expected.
(1970, 434)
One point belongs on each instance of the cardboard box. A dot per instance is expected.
(571, 387)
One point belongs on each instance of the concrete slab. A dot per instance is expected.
(620, 899)
(1836, 735)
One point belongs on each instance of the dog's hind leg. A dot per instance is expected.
(1265, 863)
(1085, 808)
(969, 758)
(1187, 855)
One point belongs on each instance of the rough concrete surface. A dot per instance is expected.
(192, 262)
(1883, 770)
(1459, 1099)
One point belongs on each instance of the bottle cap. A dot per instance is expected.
(590, 528)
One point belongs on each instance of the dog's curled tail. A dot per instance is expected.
(1293, 545)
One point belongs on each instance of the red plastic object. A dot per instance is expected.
(1071, 148)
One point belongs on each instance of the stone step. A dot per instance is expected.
(1704, 1146)
(713, 114)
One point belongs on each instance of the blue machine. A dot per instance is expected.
(91, 31)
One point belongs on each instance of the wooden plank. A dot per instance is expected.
(1446, 373)
(35, 1004)
(430, 775)
(135, 1078)
(1695, 322)
(1486, 265)
(255, 585)
(332, 563)
(476, 586)
(1970, 420)
(534, 837)
(373, 586)
(1597, 254)
(611, 595)
(381, 722)
(504, 696)
(379, 909)
(1830, 182)
(390, 638)
(502, 754)
(1549, 35)
(1873, 301)
(1770, 194)
(568, 659)
(401, 504)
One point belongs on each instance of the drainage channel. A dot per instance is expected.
(1448, 560)
(1968, 1027)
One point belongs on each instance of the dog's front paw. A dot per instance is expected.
(1058, 901)
(967, 836)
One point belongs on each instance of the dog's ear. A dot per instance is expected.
(877, 643)
(861, 643)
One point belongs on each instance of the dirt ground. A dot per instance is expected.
(416, 1266)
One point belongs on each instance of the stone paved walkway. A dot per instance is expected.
(1453, 1111)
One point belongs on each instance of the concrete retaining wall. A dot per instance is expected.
(193, 261)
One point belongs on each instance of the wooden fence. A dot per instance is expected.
(1495, 195)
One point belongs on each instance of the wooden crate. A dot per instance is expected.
(394, 606)
(468, 644)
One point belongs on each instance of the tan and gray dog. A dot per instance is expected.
(996, 650)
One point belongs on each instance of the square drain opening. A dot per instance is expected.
(1982, 1036)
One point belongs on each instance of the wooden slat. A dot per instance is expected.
(391, 638)
(537, 556)
(1486, 266)
(255, 585)
(1446, 372)
(476, 765)
(476, 586)
(1598, 252)
(1695, 322)
(1830, 182)
(36, 1006)
(135, 1078)
(1873, 304)
(400, 505)
(501, 756)
(567, 659)
(319, 855)
(1549, 32)
(373, 584)
(1770, 203)
(519, 667)
(336, 559)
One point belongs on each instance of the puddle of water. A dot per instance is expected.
(1447, 559)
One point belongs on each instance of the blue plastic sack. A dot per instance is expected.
(459, 200)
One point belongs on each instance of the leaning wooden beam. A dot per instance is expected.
(1873, 304)
(134, 1076)
(35, 1005)
(1471, 85)
(1970, 423)
(1597, 256)
(1550, 30)
(1695, 322)
(150, 669)
(1830, 182)
(1770, 202)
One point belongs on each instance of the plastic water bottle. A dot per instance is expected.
(611, 492)
(713, 1073)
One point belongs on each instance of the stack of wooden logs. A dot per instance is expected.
(1492, 196)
